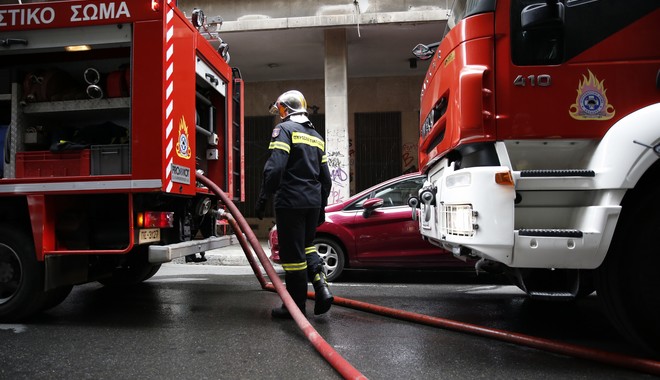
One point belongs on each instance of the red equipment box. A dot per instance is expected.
(49, 164)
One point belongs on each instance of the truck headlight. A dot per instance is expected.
(458, 179)
(458, 220)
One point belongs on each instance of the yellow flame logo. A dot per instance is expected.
(183, 145)
(591, 101)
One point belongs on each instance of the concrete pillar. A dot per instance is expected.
(336, 113)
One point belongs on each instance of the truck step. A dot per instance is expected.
(550, 232)
(165, 253)
(551, 295)
(558, 173)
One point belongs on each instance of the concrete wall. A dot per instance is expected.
(240, 10)
(386, 94)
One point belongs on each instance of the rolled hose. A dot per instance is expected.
(329, 354)
(610, 358)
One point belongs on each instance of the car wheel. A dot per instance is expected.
(332, 255)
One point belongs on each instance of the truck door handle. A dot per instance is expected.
(212, 79)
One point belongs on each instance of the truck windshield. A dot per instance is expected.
(464, 8)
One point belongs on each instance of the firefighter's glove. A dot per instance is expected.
(260, 208)
(321, 217)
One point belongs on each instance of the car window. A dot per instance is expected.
(394, 195)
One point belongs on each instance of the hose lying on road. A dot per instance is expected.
(625, 361)
(611, 358)
(336, 361)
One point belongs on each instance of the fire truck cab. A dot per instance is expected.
(108, 110)
(540, 139)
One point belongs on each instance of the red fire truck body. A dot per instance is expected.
(109, 108)
(540, 138)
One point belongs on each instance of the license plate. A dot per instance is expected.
(147, 235)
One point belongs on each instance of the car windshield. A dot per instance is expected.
(394, 194)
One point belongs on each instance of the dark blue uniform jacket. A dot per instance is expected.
(297, 170)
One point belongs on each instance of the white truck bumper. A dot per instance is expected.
(472, 211)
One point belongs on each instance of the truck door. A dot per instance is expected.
(560, 76)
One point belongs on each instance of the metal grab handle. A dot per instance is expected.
(12, 41)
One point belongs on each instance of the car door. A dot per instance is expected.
(389, 235)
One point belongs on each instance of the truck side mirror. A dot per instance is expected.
(542, 15)
(370, 205)
(425, 52)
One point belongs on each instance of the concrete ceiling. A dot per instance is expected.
(298, 54)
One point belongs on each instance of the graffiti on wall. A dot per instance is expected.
(409, 157)
(339, 176)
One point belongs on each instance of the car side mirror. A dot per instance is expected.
(370, 205)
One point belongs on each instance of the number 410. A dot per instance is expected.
(543, 80)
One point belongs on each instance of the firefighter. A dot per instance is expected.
(297, 174)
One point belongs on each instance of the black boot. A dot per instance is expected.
(322, 294)
(296, 285)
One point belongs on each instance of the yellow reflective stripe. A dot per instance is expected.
(304, 138)
(309, 250)
(279, 145)
(324, 159)
(294, 266)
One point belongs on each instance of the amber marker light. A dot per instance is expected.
(504, 178)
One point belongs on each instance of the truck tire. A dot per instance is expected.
(130, 275)
(137, 269)
(333, 256)
(628, 283)
(21, 276)
(55, 297)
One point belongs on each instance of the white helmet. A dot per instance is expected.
(289, 103)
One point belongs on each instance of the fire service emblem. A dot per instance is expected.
(591, 102)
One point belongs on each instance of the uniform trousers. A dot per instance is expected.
(296, 228)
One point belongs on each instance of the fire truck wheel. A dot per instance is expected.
(208, 226)
(627, 282)
(130, 275)
(21, 276)
(55, 297)
(333, 256)
(136, 270)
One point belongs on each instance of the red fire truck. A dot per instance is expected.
(540, 138)
(109, 109)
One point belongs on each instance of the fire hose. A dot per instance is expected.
(240, 224)
(241, 227)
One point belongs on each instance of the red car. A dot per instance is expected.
(374, 229)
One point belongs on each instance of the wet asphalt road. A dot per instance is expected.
(213, 322)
